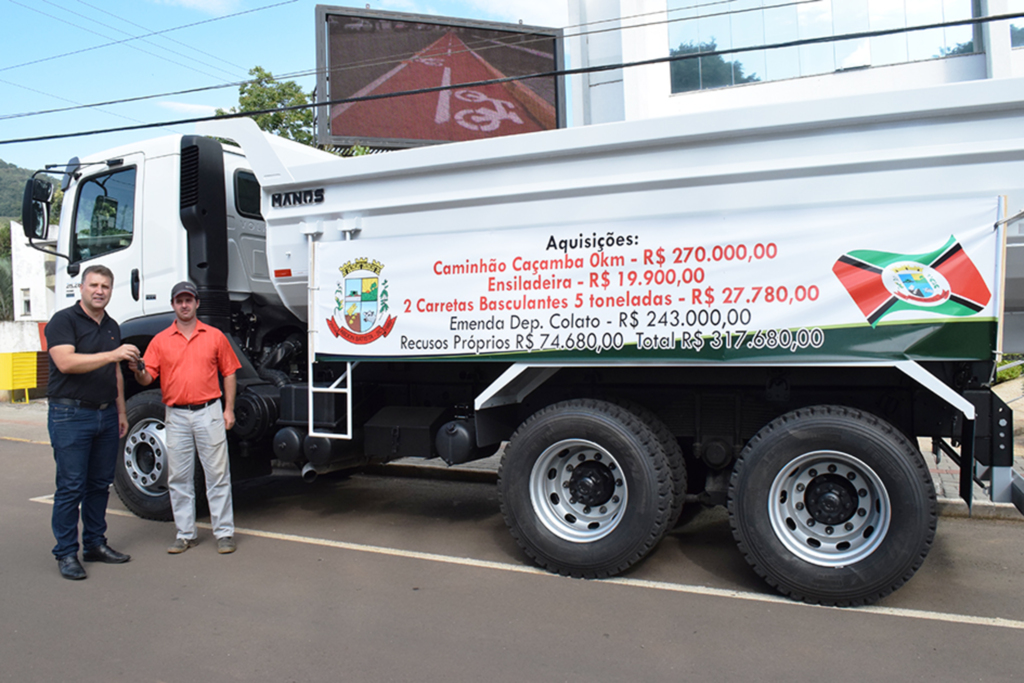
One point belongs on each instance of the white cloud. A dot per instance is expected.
(190, 109)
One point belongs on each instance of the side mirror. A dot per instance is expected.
(35, 208)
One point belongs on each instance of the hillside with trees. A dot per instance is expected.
(12, 189)
(12, 186)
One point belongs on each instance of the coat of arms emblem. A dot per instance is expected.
(361, 300)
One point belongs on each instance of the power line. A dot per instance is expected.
(127, 33)
(560, 72)
(398, 59)
(96, 33)
(165, 37)
(133, 38)
(78, 105)
(566, 72)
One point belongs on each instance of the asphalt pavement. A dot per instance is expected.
(371, 578)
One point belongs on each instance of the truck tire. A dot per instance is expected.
(585, 488)
(673, 453)
(831, 505)
(141, 475)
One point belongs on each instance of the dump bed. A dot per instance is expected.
(835, 230)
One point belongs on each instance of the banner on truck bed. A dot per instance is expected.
(833, 284)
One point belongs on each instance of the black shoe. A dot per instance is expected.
(104, 553)
(71, 568)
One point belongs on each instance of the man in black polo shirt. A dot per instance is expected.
(86, 420)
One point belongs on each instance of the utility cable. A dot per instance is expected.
(165, 37)
(394, 60)
(127, 33)
(97, 33)
(147, 35)
(556, 73)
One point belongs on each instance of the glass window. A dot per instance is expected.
(815, 21)
(247, 195)
(930, 43)
(104, 218)
(781, 26)
(885, 15)
(1016, 25)
(715, 31)
(684, 40)
(959, 39)
(748, 31)
(698, 26)
(851, 17)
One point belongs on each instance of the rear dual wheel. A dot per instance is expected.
(586, 488)
(833, 506)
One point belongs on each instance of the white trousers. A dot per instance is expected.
(203, 431)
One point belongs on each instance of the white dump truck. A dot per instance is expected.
(766, 309)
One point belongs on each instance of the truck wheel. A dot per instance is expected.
(141, 476)
(673, 453)
(585, 488)
(831, 505)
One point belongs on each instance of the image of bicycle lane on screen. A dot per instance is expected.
(369, 55)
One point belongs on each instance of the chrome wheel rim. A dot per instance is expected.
(145, 457)
(578, 490)
(829, 508)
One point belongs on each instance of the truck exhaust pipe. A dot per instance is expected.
(310, 473)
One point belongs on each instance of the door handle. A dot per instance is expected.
(135, 283)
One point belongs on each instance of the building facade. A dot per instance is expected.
(32, 275)
(822, 48)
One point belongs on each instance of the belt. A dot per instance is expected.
(197, 406)
(81, 404)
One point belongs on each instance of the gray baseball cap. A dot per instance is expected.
(184, 288)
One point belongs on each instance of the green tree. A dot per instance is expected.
(264, 93)
(6, 280)
(701, 73)
(960, 49)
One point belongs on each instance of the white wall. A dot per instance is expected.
(20, 337)
(32, 270)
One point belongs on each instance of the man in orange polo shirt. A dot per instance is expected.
(190, 356)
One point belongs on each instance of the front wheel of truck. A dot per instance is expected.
(586, 488)
(831, 505)
(141, 475)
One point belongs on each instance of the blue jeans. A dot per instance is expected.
(85, 449)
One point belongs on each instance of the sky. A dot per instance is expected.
(65, 53)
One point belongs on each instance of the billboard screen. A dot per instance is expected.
(369, 54)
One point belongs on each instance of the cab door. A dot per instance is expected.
(104, 230)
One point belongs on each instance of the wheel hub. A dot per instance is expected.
(829, 508)
(145, 458)
(831, 499)
(578, 490)
(592, 484)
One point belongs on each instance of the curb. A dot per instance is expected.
(982, 509)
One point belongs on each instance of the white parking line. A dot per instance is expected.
(926, 615)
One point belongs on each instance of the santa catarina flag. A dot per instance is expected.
(944, 281)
